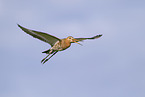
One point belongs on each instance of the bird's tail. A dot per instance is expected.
(50, 51)
(47, 51)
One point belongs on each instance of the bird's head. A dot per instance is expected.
(72, 40)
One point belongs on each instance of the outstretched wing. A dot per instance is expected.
(41, 35)
(95, 37)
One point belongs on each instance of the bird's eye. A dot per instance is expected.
(70, 38)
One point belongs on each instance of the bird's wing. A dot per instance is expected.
(95, 37)
(41, 35)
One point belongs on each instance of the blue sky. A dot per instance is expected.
(111, 66)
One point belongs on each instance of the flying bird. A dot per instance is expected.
(56, 43)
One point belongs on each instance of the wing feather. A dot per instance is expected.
(41, 35)
(95, 37)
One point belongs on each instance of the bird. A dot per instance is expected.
(57, 44)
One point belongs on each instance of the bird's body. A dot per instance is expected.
(56, 43)
(61, 45)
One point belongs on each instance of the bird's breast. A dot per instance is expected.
(65, 44)
(61, 45)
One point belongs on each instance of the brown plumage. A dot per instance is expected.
(56, 43)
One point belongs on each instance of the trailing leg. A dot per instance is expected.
(50, 51)
(44, 58)
(50, 57)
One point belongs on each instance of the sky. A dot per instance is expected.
(111, 66)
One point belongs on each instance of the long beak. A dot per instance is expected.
(75, 40)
